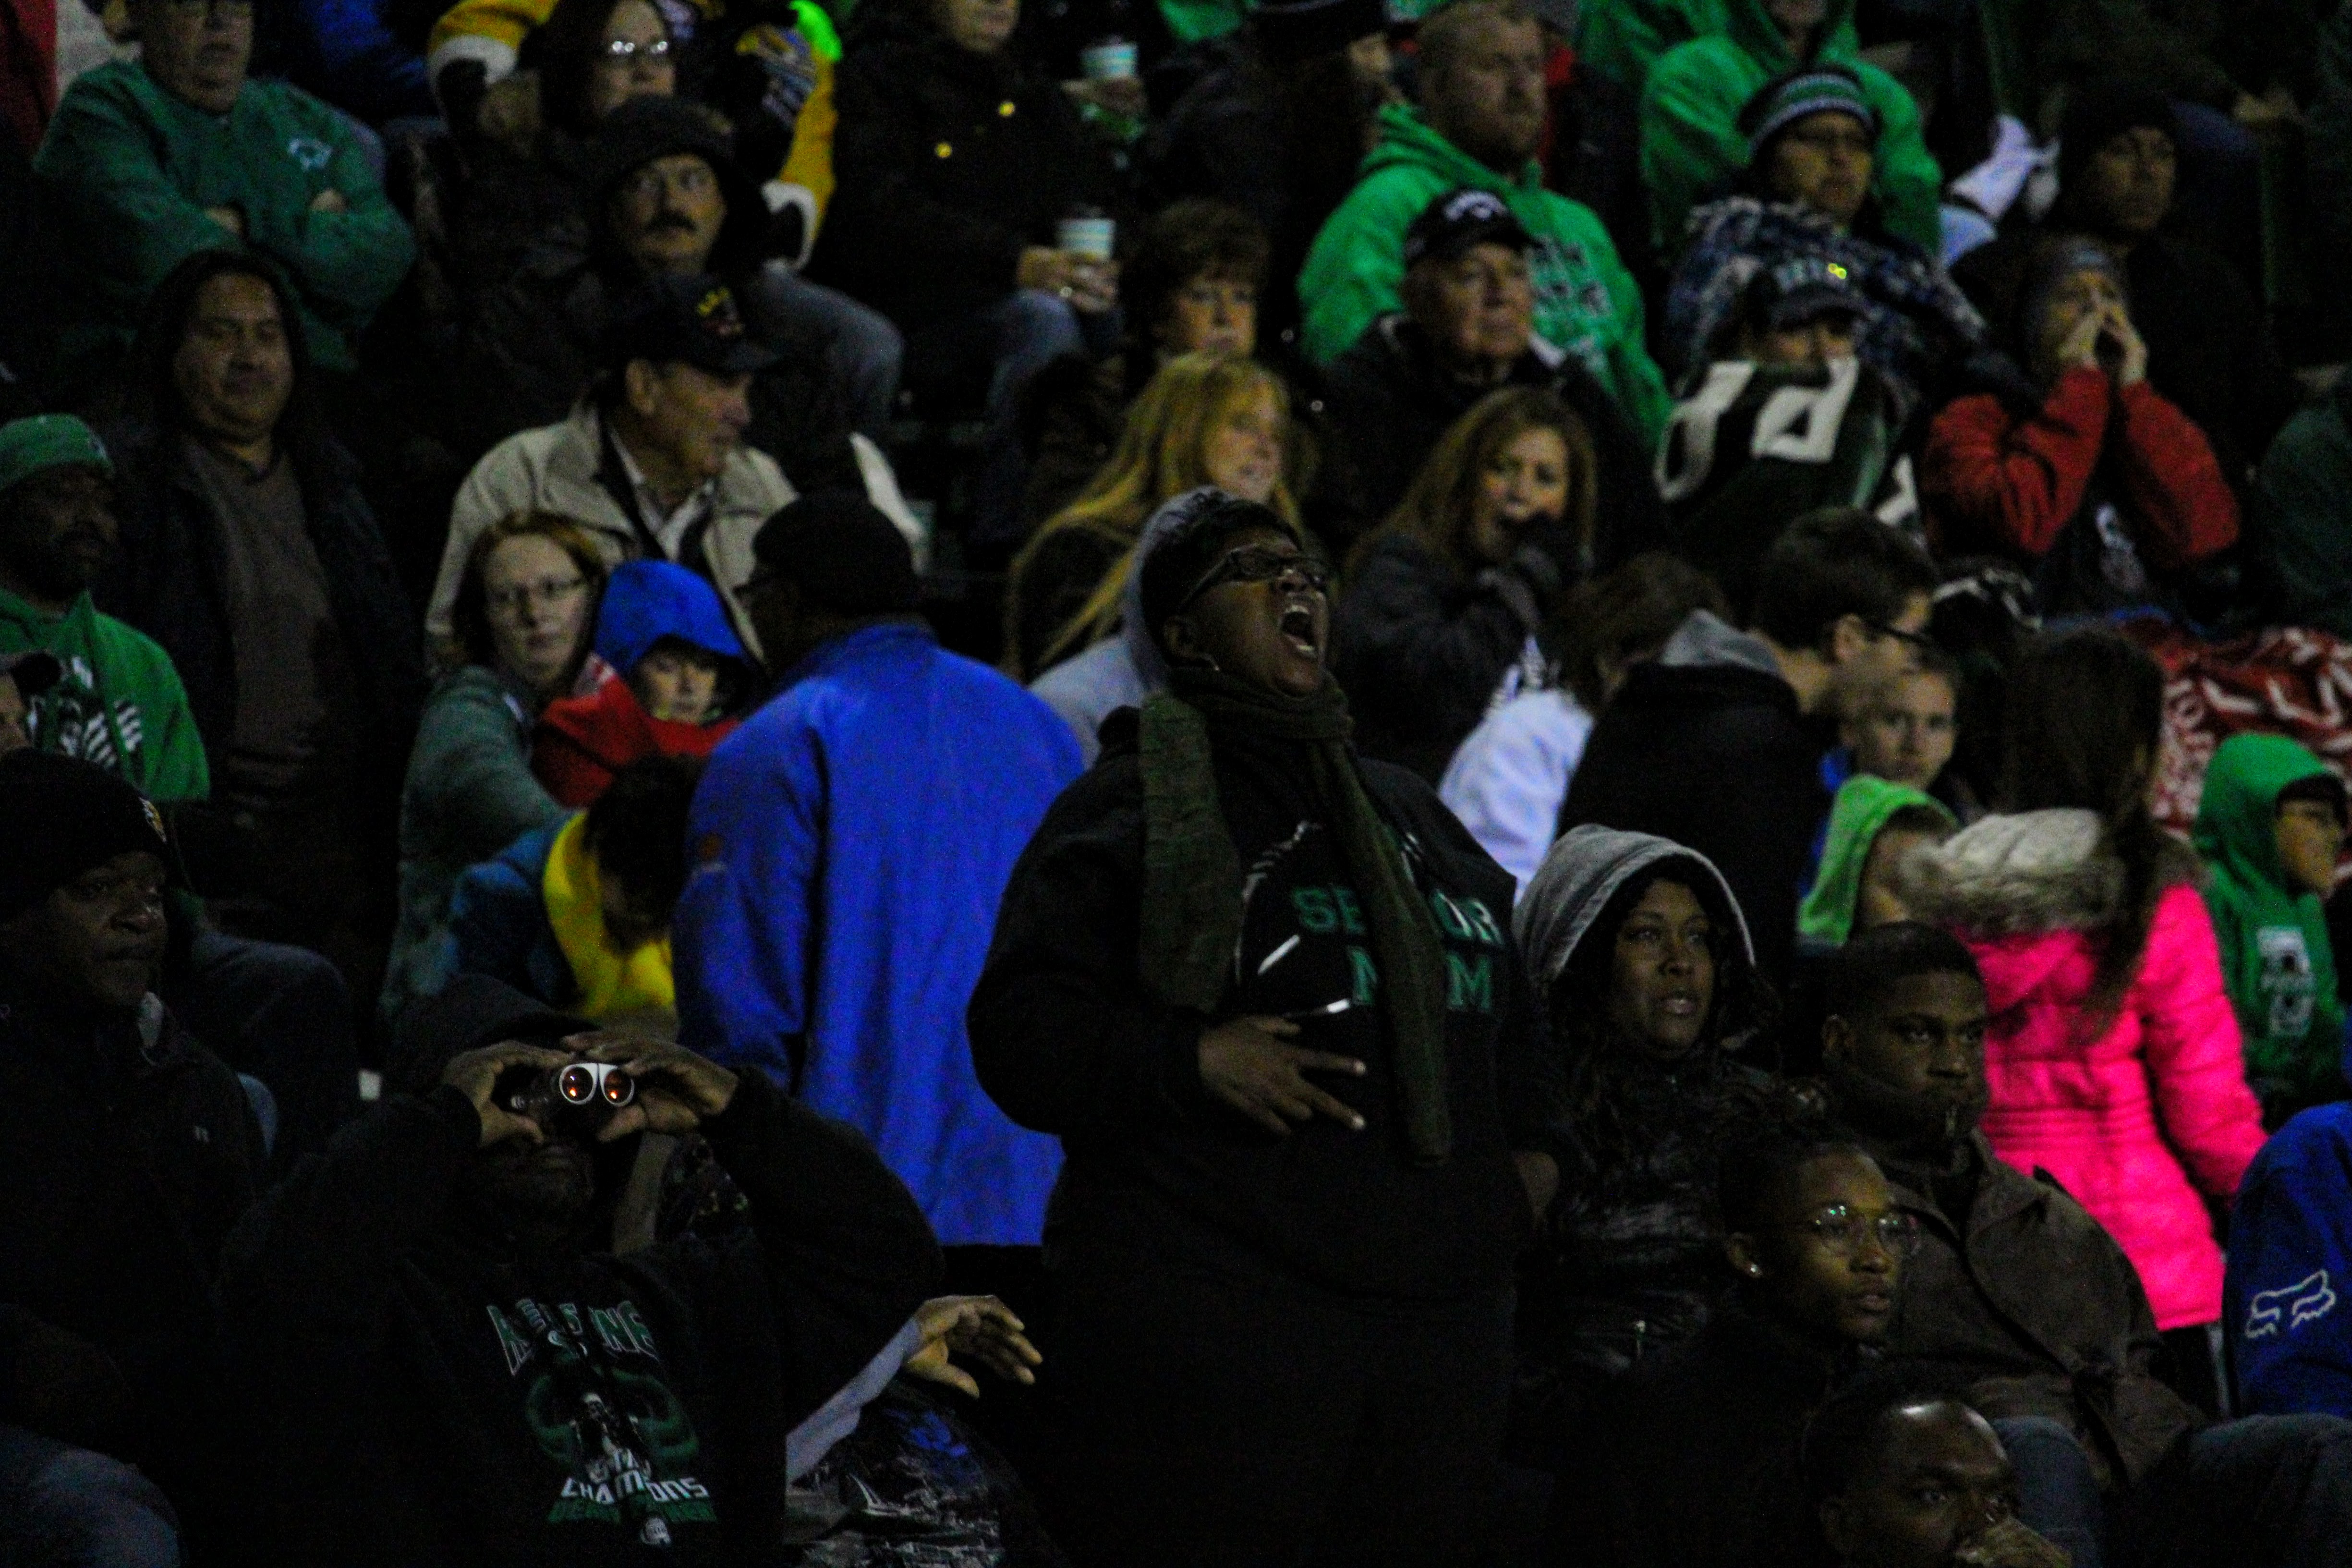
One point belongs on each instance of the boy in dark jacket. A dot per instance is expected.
(127, 1151)
(1841, 600)
(451, 1369)
(2017, 1294)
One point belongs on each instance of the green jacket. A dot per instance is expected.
(469, 793)
(118, 704)
(2275, 952)
(1625, 39)
(1690, 109)
(131, 170)
(1859, 815)
(1586, 302)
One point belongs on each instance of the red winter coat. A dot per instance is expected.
(1995, 481)
(2137, 1122)
(582, 741)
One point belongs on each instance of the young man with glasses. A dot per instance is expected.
(151, 161)
(1724, 717)
(1694, 1457)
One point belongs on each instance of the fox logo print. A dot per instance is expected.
(2304, 1301)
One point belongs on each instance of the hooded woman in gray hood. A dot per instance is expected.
(1646, 972)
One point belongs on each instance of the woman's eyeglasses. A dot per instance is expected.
(1841, 1230)
(620, 51)
(1256, 563)
(550, 592)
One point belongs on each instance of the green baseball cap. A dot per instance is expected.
(28, 447)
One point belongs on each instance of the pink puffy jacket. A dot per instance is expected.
(2135, 1124)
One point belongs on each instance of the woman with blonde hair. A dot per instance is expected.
(1438, 624)
(525, 611)
(1205, 419)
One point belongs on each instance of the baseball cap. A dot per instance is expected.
(67, 815)
(1453, 222)
(45, 441)
(1804, 289)
(683, 319)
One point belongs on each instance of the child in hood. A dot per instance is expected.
(2268, 829)
(671, 658)
(1874, 824)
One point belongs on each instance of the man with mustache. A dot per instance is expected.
(150, 161)
(662, 196)
(2017, 1292)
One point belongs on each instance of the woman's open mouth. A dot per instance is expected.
(1297, 626)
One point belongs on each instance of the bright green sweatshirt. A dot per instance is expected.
(1864, 806)
(1690, 113)
(1586, 302)
(2274, 953)
(118, 704)
(132, 170)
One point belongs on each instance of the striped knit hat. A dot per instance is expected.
(1815, 90)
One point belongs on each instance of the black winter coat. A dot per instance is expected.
(948, 165)
(1388, 402)
(1695, 1462)
(1422, 648)
(168, 583)
(1066, 1040)
(435, 1396)
(1717, 758)
(125, 1165)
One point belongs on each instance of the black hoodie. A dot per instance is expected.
(1068, 1042)
(435, 1395)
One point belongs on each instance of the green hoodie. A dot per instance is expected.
(1586, 302)
(1690, 113)
(2274, 952)
(1625, 39)
(1863, 809)
(133, 172)
(118, 704)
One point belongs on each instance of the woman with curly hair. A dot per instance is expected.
(1643, 960)
(1205, 419)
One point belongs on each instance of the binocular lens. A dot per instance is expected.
(585, 1083)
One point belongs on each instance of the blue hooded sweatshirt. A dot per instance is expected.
(850, 845)
(2284, 1302)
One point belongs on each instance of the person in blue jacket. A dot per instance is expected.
(847, 850)
(2285, 1298)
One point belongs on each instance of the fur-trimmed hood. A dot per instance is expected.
(2026, 873)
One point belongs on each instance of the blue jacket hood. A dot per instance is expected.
(645, 600)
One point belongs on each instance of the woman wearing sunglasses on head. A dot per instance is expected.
(1264, 992)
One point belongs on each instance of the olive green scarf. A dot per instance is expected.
(1193, 874)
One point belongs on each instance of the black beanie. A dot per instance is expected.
(645, 129)
(844, 554)
(65, 816)
(2098, 112)
(1187, 552)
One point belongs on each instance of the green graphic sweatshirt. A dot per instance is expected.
(132, 171)
(1690, 109)
(1586, 302)
(2275, 952)
(118, 704)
